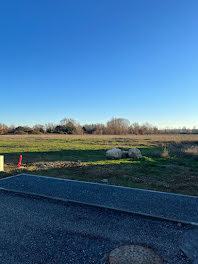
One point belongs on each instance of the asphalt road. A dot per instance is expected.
(176, 207)
(35, 230)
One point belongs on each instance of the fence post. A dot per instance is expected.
(1, 163)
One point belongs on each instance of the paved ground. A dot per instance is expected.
(38, 230)
(42, 231)
(178, 207)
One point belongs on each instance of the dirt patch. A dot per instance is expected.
(56, 164)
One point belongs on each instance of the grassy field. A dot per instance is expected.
(169, 163)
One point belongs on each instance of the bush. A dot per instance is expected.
(23, 130)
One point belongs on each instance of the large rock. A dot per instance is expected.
(114, 153)
(134, 153)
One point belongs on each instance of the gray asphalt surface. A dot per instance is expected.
(35, 230)
(178, 207)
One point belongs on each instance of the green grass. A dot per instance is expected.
(83, 158)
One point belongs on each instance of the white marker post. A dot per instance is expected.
(1, 163)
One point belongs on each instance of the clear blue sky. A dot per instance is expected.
(92, 60)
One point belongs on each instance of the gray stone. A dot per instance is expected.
(134, 153)
(105, 181)
(114, 153)
(42, 166)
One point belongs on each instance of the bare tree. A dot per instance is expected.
(73, 125)
(134, 128)
(118, 126)
(50, 127)
(3, 129)
(99, 129)
(68, 121)
(38, 129)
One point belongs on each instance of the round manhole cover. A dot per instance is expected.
(133, 254)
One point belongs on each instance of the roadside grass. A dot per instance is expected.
(169, 163)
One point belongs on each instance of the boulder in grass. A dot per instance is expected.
(134, 153)
(114, 153)
(105, 180)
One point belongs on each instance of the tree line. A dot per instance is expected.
(115, 126)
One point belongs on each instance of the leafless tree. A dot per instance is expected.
(50, 127)
(69, 122)
(3, 129)
(38, 129)
(118, 126)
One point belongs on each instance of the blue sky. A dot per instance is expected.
(93, 60)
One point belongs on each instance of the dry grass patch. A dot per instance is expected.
(193, 150)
